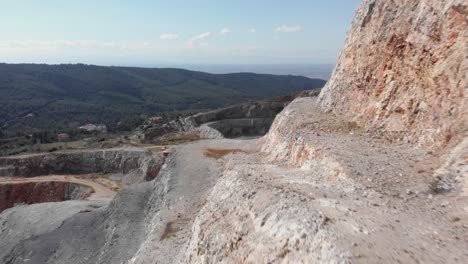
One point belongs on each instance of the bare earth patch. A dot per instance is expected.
(220, 153)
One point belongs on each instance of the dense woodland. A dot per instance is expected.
(36, 96)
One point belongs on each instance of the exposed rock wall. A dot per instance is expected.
(233, 128)
(290, 138)
(134, 164)
(404, 68)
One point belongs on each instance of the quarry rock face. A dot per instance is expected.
(266, 109)
(136, 164)
(233, 128)
(404, 68)
(40, 192)
(259, 112)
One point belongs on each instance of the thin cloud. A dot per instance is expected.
(169, 36)
(288, 29)
(225, 31)
(198, 38)
(252, 30)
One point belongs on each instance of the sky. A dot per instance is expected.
(154, 32)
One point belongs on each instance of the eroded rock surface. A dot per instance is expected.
(404, 68)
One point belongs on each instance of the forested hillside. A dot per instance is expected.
(38, 96)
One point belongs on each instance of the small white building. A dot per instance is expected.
(93, 127)
(63, 137)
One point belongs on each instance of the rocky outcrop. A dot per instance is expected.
(132, 164)
(40, 192)
(404, 68)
